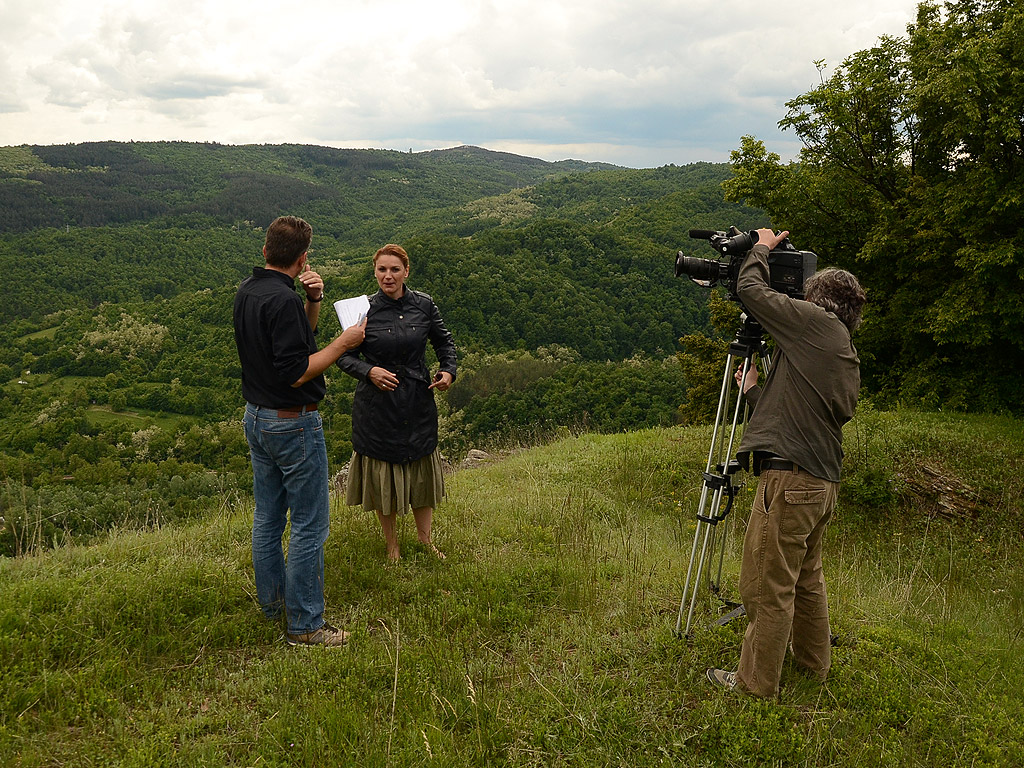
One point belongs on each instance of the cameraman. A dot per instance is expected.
(793, 443)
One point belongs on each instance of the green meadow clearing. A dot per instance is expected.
(547, 636)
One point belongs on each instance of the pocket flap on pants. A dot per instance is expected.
(806, 496)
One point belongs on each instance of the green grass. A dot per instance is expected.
(46, 333)
(100, 415)
(546, 638)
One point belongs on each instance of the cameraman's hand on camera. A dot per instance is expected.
(751, 380)
(769, 238)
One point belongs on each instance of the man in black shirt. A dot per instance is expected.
(283, 383)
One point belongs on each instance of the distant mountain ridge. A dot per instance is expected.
(116, 183)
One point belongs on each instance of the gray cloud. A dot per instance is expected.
(195, 86)
(662, 80)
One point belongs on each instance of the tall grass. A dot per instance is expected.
(546, 637)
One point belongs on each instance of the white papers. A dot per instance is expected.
(352, 311)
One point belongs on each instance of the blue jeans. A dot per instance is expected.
(289, 468)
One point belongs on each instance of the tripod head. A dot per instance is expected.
(749, 339)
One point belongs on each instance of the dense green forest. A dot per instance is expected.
(119, 393)
(121, 401)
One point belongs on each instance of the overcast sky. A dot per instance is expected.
(640, 83)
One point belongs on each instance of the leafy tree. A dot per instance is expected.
(910, 176)
(600, 397)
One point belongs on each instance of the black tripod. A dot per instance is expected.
(719, 490)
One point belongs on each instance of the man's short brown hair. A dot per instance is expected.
(288, 237)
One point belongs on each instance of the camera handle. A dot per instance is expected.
(718, 490)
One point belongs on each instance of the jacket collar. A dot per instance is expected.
(386, 300)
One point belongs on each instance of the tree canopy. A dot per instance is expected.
(911, 176)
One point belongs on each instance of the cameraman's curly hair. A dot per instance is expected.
(837, 291)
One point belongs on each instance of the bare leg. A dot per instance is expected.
(424, 517)
(388, 526)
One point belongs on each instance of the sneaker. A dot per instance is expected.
(328, 636)
(722, 678)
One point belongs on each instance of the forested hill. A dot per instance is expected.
(117, 363)
(523, 252)
(110, 183)
(119, 380)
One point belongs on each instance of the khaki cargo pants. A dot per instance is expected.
(781, 581)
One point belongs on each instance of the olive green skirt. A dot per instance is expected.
(395, 488)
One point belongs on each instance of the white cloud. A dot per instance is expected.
(637, 82)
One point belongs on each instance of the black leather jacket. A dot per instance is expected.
(401, 425)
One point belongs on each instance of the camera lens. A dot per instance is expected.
(698, 269)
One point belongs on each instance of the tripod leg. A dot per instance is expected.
(717, 584)
(714, 538)
(689, 572)
(700, 569)
(719, 470)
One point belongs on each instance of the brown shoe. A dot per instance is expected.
(327, 636)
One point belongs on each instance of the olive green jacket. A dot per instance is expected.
(811, 390)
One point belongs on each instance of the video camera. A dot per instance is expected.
(788, 268)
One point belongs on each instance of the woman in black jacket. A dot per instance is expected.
(395, 462)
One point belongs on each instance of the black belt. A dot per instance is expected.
(780, 464)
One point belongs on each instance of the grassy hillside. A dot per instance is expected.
(546, 638)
